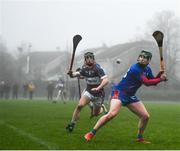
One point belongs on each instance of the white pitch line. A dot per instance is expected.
(30, 136)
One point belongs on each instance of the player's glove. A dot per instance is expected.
(163, 77)
(70, 73)
(159, 74)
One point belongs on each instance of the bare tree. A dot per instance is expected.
(7, 65)
(169, 24)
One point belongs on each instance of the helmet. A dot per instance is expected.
(146, 54)
(91, 61)
(88, 55)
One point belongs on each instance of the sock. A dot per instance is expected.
(140, 133)
(94, 132)
(140, 136)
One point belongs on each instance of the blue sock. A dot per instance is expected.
(93, 131)
(139, 136)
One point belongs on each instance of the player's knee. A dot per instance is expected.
(80, 106)
(111, 115)
(146, 117)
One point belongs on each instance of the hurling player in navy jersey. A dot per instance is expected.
(96, 79)
(123, 94)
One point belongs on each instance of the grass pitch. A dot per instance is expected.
(39, 124)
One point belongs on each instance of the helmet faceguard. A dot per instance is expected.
(146, 54)
(88, 55)
(89, 58)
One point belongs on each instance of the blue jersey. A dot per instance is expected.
(132, 80)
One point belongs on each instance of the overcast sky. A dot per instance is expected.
(48, 24)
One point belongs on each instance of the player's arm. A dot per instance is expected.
(154, 81)
(149, 78)
(104, 82)
(103, 77)
(78, 73)
(79, 76)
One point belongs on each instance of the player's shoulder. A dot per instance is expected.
(148, 68)
(97, 66)
(83, 68)
(135, 67)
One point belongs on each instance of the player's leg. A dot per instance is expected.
(48, 96)
(91, 109)
(58, 95)
(139, 109)
(51, 96)
(98, 109)
(82, 102)
(115, 105)
(63, 97)
(98, 106)
(104, 109)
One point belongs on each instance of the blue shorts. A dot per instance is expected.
(123, 97)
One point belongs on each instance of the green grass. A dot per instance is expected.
(41, 125)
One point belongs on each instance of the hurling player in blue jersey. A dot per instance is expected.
(96, 79)
(123, 94)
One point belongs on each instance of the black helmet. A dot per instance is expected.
(88, 55)
(146, 54)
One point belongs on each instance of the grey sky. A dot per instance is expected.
(48, 24)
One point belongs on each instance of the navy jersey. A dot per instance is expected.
(132, 80)
(93, 77)
(60, 85)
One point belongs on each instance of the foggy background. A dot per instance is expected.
(36, 41)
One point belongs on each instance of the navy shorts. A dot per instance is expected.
(123, 97)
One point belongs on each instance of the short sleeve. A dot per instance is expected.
(100, 71)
